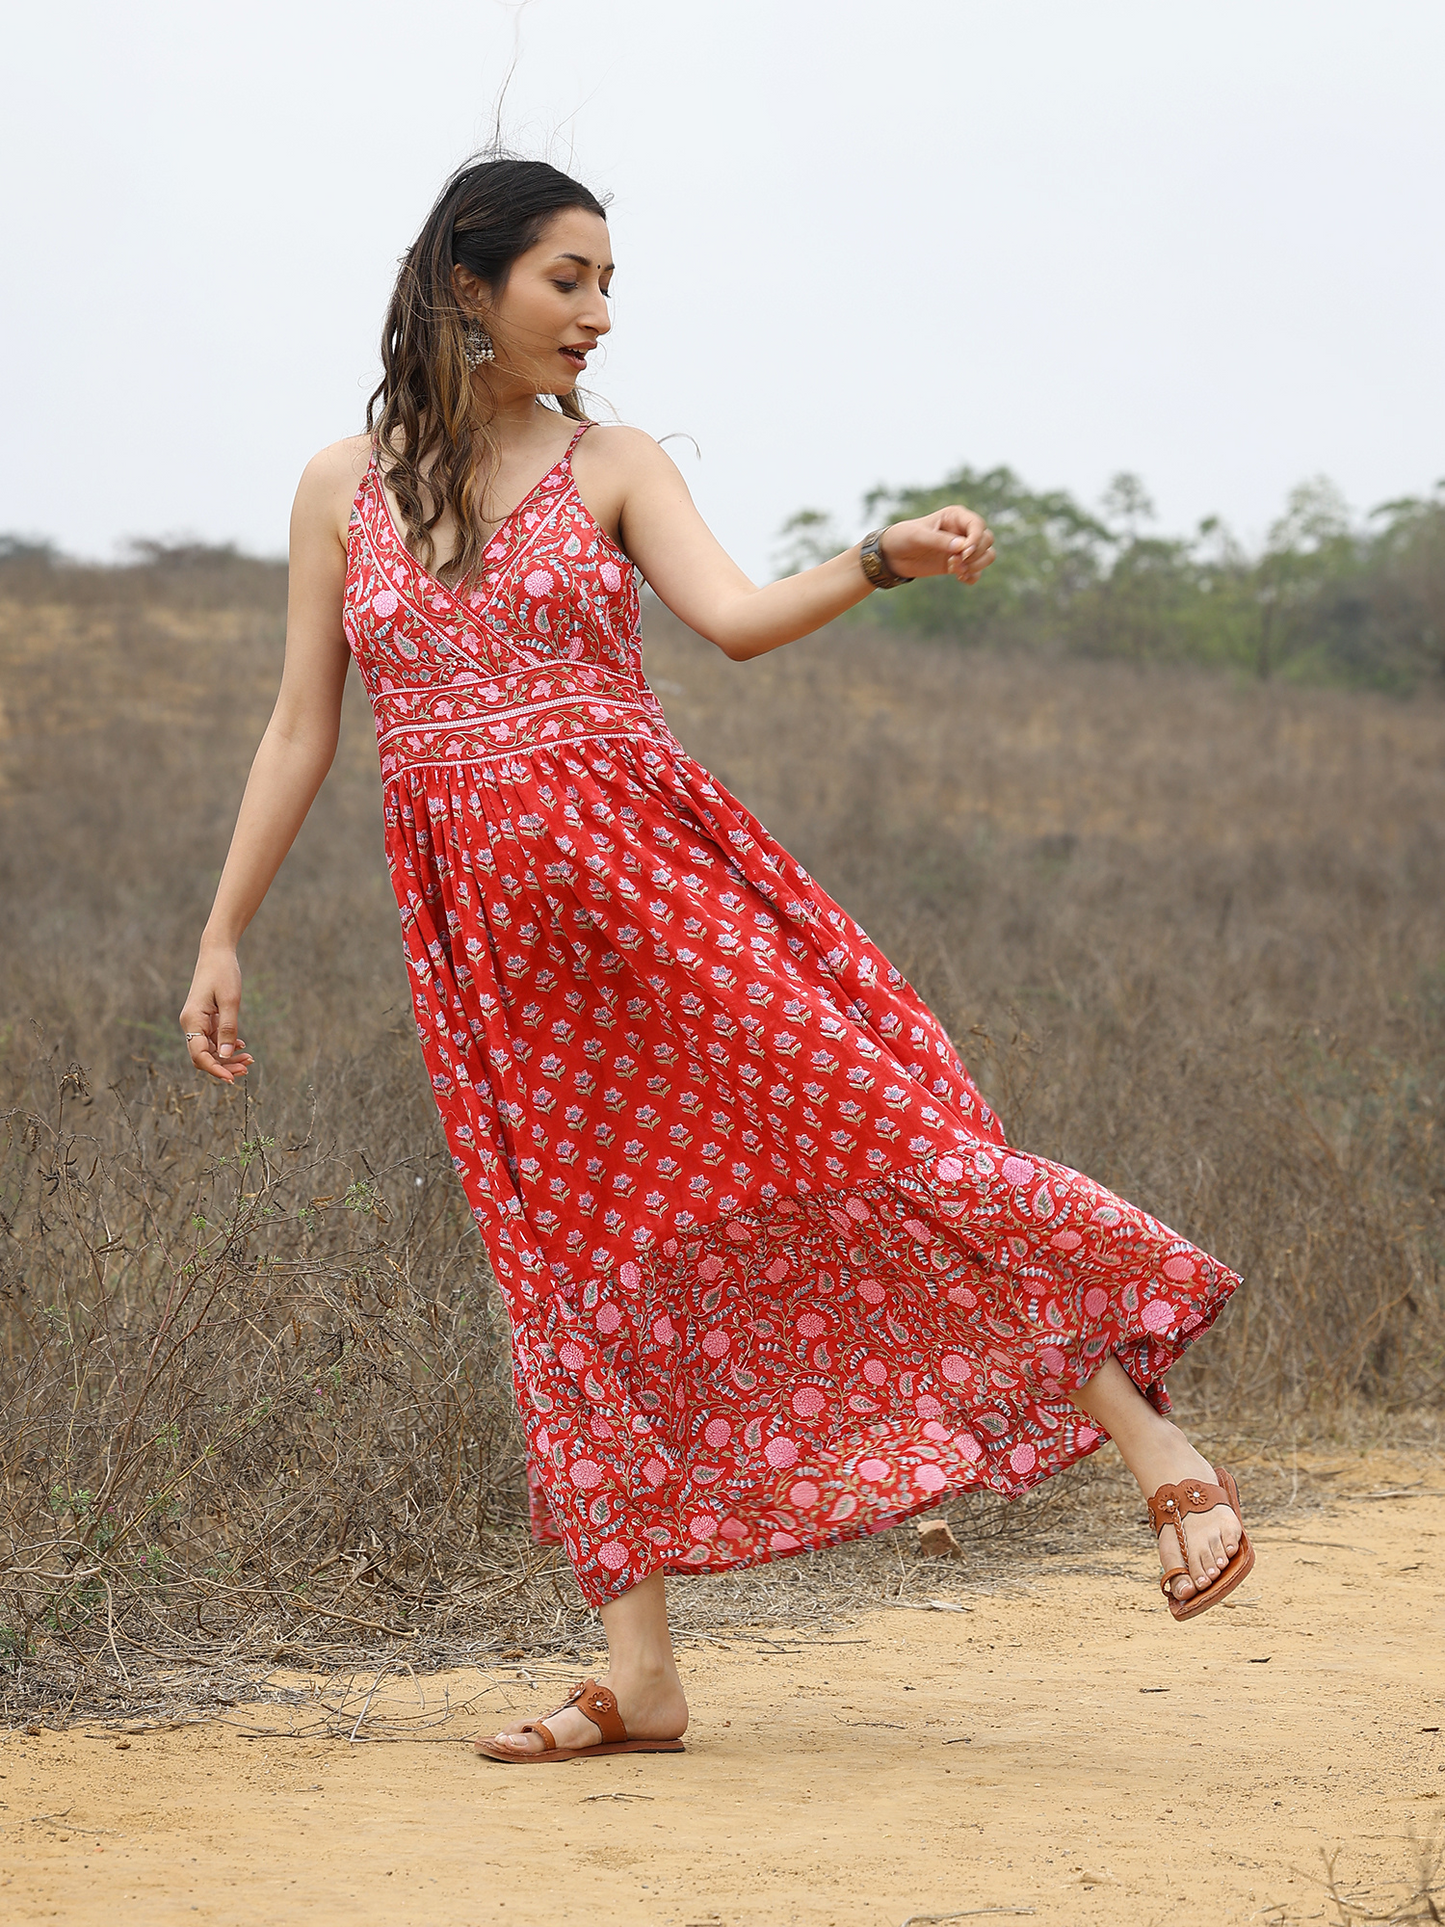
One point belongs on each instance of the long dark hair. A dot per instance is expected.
(439, 450)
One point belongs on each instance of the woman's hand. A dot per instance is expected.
(212, 1012)
(951, 541)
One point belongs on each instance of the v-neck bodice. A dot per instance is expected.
(543, 645)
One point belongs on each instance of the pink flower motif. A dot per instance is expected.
(857, 1210)
(1023, 1459)
(572, 1356)
(586, 1474)
(874, 1470)
(612, 1555)
(1096, 1301)
(953, 1367)
(608, 1319)
(804, 1493)
(385, 602)
(780, 1453)
(808, 1401)
(611, 577)
(717, 1432)
(810, 1325)
(969, 1446)
(539, 582)
(1017, 1170)
(1066, 1241)
(928, 1407)
(1179, 1268)
(1158, 1316)
(871, 1292)
(876, 1372)
(1053, 1359)
(629, 1275)
(930, 1478)
(655, 1472)
(1085, 1437)
(777, 1271)
(717, 1343)
(702, 1525)
(940, 1434)
(950, 1169)
(662, 1330)
(916, 1229)
(784, 1542)
(733, 1529)
(709, 1269)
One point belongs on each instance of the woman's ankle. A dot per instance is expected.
(642, 1670)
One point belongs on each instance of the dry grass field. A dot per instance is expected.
(1189, 935)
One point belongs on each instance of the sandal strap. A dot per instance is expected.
(549, 1745)
(1171, 1503)
(600, 1707)
(1171, 1506)
(1166, 1579)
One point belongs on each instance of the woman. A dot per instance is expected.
(774, 1275)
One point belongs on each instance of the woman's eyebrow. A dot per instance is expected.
(582, 262)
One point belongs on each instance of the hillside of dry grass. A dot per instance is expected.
(1189, 935)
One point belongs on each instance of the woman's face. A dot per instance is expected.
(553, 310)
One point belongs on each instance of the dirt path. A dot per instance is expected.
(1007, 1756)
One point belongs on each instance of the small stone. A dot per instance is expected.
(936, 1540)
(121, 1745)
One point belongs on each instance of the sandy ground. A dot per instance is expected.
(1061, 1749)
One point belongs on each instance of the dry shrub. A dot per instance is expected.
(1189, 937)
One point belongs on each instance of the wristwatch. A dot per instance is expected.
(874, 567)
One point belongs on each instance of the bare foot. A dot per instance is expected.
(651, 1707)
(1212, 1537)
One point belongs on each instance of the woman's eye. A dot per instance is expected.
(567, 287)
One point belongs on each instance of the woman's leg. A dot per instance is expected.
(641, 1671)
(1157, 1453)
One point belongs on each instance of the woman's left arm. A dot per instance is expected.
(688, 568)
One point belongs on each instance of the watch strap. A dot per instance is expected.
(879, 575)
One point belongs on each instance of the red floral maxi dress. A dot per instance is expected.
(775, 1277)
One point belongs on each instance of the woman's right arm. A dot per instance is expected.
(291, 763)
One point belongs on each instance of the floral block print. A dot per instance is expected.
(774, 1274)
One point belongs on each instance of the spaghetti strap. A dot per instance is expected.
(582, 428)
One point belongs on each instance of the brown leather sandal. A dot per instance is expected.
(601, 1708)
(1170, 1506)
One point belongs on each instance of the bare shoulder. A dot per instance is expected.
(631, 453)
(330, 480)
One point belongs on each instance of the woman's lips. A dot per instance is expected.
(576, 356)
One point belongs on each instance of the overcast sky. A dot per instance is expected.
(855, 243)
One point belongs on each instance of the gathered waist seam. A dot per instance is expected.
(662, 740)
